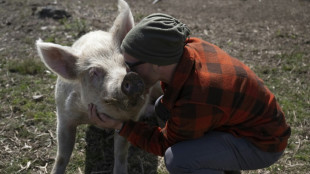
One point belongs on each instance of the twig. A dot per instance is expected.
(299, 144)
(141, 165)
(155, 1)
(44, 168)
(294, 165)
(24, 168)
(80, 171)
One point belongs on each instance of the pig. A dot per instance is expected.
(93, 70)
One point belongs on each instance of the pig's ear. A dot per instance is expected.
(123, 22)
(59, 59)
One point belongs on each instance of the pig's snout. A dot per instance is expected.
(132, 85)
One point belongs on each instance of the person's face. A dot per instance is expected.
(145, 70)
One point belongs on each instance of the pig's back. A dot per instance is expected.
(93, 41)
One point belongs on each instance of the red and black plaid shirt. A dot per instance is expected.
(211, 90)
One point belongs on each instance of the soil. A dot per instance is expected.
(255, 31)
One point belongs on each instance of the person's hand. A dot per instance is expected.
(102, 120)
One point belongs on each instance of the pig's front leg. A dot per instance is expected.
(121, 146)
(66, 131)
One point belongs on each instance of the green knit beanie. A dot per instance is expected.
(158, 39)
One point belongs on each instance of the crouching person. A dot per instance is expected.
(219, 115)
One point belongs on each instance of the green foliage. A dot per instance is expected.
(77, 27)
(287, 76)
(27, 66)
(288, 80)
(50, 39)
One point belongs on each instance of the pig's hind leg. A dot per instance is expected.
(121, 146)
(66, 131)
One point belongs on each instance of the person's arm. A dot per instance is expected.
(188, 121)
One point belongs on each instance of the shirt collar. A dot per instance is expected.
(183, 70)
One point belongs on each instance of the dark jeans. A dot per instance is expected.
(215, 153)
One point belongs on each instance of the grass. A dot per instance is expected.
(289, 81)
(26, 67)
(288, 78)
(77, 27)
(27, 117)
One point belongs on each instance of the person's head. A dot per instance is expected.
(157, 40)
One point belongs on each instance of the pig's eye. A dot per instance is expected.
(106, 101)
(93, 73)
(96, 73)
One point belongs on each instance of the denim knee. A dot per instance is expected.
(174, 164)
(171, 162)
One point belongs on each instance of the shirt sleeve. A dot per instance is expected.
(188, 121)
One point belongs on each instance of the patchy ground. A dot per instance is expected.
(271, 36)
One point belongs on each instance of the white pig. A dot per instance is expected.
(93, 71)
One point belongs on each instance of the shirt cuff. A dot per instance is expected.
(126, 128)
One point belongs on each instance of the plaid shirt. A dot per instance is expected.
(211, 90)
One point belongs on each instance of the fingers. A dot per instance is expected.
(89, 110)
(92, 114)
(101, 120)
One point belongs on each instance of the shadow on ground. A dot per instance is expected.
(100, 158)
